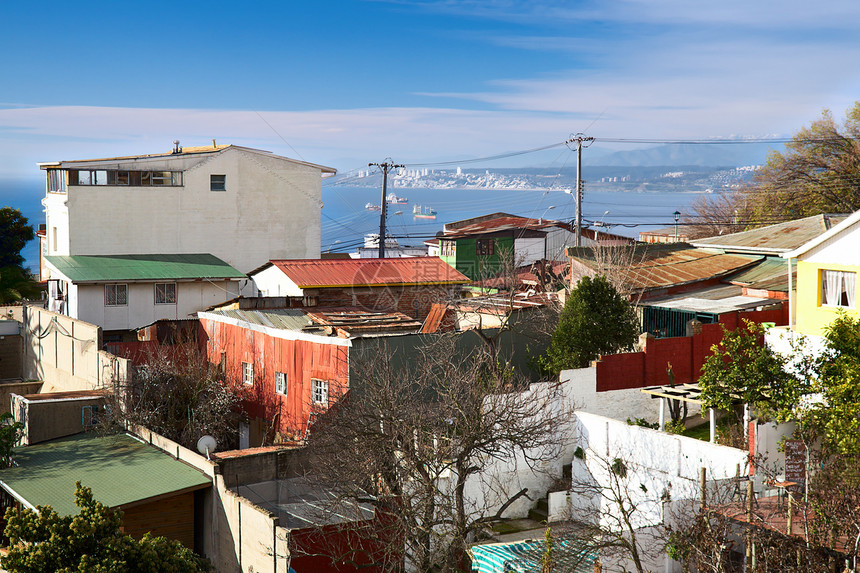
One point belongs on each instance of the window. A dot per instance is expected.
(247, 373)
(320, 392)
(165, 293)
(447, 248)
(116, 295)
(281, 383)
(120, 177)
(57, 180)
(838, 288)
(217, 182)
(484, 246)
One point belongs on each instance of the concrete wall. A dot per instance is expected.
(237, 536)
(65, 353)
(16, 387)
(11, 354)
(89, 304)
(270, 210)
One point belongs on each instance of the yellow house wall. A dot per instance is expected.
(812, 316)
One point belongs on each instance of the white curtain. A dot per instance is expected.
(850, 287)
(832, 287)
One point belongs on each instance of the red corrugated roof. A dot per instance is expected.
(317, 273)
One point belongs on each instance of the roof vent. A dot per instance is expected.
(176, 146)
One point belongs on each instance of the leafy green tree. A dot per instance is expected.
(742, 367)
(15, 233)
(10, 433)
(596, 320)
(837, 417)
(90, 542)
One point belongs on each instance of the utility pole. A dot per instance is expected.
(385, 167)
(579, 138)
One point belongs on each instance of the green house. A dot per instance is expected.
(479, 248)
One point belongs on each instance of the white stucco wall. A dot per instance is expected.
(141, 308)
(840, 249)
(273, 282)
(56, 217)
(270, 210)
(617, 404)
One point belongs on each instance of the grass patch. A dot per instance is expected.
(700, 432)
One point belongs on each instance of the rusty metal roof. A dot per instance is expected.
(504, 222)
(774, 239)
(345, 322)
(317, 273)
(663, 265)
(771, 272)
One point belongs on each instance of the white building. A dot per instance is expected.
(125, 292)
(244, 206)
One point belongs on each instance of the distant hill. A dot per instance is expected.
(712, 155)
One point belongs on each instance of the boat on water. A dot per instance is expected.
(393, 199)
(423, 213)
(372, 207)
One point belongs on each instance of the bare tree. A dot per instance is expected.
(177, 393)
(436, 449)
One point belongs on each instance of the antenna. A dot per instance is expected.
(206, 444)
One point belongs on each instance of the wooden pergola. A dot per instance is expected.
(686, 393)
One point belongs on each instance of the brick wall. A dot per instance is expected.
(685, 353)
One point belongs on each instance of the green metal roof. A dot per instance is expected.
(101, 268)
(119, 469)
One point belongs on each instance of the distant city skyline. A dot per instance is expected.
(350, 82)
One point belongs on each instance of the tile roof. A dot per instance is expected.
(774, 239)
(104, 268)
(120, 470)
(316, 273)
(663, 265)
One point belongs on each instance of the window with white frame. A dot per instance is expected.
(320, 392)
(165, 293)
(838, 288)
(248, 373)
(281, 383)
(116, 295)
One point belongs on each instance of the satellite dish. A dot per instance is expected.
(206, 444)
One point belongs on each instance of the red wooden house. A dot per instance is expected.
(292, 363)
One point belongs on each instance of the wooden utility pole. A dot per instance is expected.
(385, 167)
(579, 139)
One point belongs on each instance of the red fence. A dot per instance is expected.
(685, 353)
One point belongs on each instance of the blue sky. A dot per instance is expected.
(348, 82)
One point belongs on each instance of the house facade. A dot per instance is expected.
(245, 206)
(125, 292)
(827, 268)
(481, 247)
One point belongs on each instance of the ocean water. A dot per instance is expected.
(345, 220)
